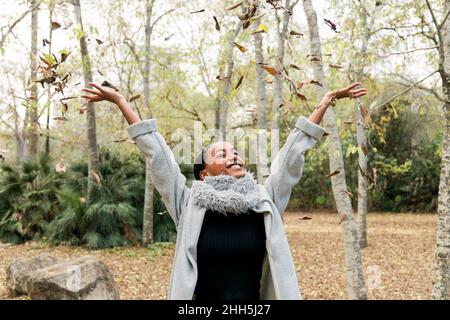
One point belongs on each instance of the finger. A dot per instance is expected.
(90, 98)
(360, 94)
(91, 91)
(96, 86)
(355, 91)
(353, 85)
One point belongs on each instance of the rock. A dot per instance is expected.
(85, 278)
(19, 271)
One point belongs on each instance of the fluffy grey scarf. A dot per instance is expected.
(226, 194)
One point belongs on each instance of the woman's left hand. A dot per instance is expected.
(347, 92)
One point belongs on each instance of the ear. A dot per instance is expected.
(203, 174)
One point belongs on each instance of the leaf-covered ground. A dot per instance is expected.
(398, 261)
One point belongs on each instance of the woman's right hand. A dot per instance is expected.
(102, 93)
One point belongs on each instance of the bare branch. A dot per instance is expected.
(422, 87)
(406, 52)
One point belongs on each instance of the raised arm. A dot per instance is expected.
(287, 168)
(165, 172)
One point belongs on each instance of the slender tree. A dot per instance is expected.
(355, 278)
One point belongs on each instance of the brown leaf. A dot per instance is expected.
(364, 149)
(99, 42)
(333, 173)
(83, 108)
(96, 178)
(305, 218)
(55, 25)
(348, 122)
(331, 25)
(295, 33)
(198, 11)
(294, 66)
(365, 115)
(239, 83)
(219, 77)
(109, 85)
(45, 42)
(237, 5)
(342, 217)
(269, 69)
(100, 73)
(66, 107)
(301, 96)
(241, 48)
(217, 23)
(300, 84)
(316, 82)
(168, 37)
(134, 98)
(335, 66)
(60, 118)
(314, 59)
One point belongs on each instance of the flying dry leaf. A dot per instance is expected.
(60, 118)
(364, 149)
(109, 85)
(300, 84)
(365, 115)
(348, 122)
(305, 218)
(96, 178)
(217, 23)
(99, 42)
(268, 81)
(66, 107)
(239, 83)
(270, 69)
(45, 42)
(237, 5)
(219, 77)
(134, 98)
(314, 59)
(168, 37)
(241, 48)
(83, 108)
(100, 73)
(331, 25)
(295, 67)
(333, 173)
(77, 84)
(301, 96)
(316, 82)
(55, 25)
(198, 11)
(295, 33)
(60, 167)
(342, 217)
(335, 66)
(349, 193)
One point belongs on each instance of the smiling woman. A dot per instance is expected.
(231, 242)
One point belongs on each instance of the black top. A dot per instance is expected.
(230, 254)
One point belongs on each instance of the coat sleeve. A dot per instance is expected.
(287, 168)
(165, 172)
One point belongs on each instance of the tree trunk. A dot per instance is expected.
(93, 157)
(355, 278)
(361, 137)
(282, 30)
(223, 114)
(33, 130)
(49, 94)
(147, 227)
(262, 165)
(441, 281)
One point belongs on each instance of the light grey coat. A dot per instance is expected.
(279, 280)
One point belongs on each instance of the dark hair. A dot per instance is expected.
(200, 163)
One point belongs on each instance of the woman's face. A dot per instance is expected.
(222, 158)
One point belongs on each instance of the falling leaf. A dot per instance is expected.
(301, 96)
(217, 23)
(45, 42)
(349, 193)
(66, 107)
(342, 218)
(314, 59)
(239, 83)
(99, 42)
(333, 173)
(364, 149)
(316, 82)
(268, 81)
(305, 218)
(295, 33)
(295, 67)
(100, 73)
(331, 25)
(60, 119)
(55, 25)
(134, 98)
(77, 84)
(335, 66)
(96, 178)
(262, 28)
(237, 5)
(83, 108)
(168, 37)
(348, 122)
(300, 84)
(198, 11)
(60, 167)
(109, 85)
(365, 115)
(64, 54)
(270, 69)
(219, 77)
(241, 48)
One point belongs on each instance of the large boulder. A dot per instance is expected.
(18, 273)
(85, 278)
